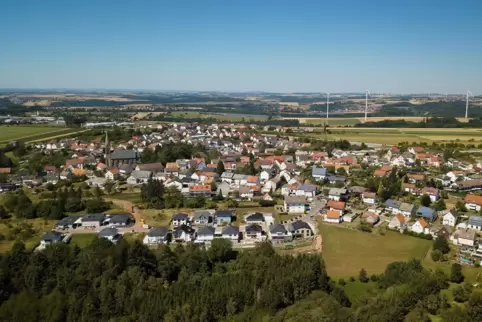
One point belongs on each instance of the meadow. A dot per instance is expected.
(30, 133)
(221, 116)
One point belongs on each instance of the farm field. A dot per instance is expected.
(31, 133)
(331, 121)
(220, 116)
(355, 120)
(346, 251)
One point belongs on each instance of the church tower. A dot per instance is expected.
(107, 150)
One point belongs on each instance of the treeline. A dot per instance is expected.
(439, 109)
(172, 152)
(431, 122)
(213, 120)
(129, 282)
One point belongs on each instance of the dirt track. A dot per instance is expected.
(129, 207)
(315, 247)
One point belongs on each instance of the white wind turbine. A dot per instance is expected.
(366, 103)
(467, 104)
(327, 104)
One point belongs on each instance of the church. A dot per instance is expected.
(119, 157)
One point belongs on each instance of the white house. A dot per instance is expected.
(230, 232)
(420, 227)
(369, 198)
(333, 216)
(264, 176)
(463, 237)
(156, 235)
(295, 204)
(337, 194)
(450, 218)
(473, 202)
(475, 222)
(397, 222)
(180, 219)
(205, 234)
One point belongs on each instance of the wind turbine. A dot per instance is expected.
(467, 103)
(366, 103)
(327, 104)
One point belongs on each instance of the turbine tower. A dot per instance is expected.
(467, 104)
(366, 103)
(327, 104)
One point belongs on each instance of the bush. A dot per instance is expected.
(341, 282)
(436, 255)
(352, 279)
(456, 274)
(462, 293)
(267, 203)
(374, 278)
(423, 236)
(363, 276)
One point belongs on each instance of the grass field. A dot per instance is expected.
(40, 226)
(355, 120)
(346, 251)
(82, 240)
(31, 133)
(331, 121)
(221, 117)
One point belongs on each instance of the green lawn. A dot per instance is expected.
(82, 240)
(30, 132)
(331, 121)
(346, 251)
(357, 291)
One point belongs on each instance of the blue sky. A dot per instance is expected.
(384, 46)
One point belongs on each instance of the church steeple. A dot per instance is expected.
(107, 149)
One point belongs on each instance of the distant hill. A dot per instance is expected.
(440, 109)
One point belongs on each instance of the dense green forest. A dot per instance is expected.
(129, 282)
(429, 122)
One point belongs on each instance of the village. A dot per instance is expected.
(291, 185)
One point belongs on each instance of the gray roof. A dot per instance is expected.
(158, 232)
(277, 228)
(151, 166)
(51, 235)
(300, 224)
(93, 217)
(124, 154)
(295, 199)
(230, 230)
(465, 234)
(224, 213)
(69, 220)
(337, 191)
(108, 232)
(475, 221)
(141, 174)
(406, 207)
(253, 228)
(180, 216)
(257, 216)
(206, 231)
(123, 218)
(202, 213)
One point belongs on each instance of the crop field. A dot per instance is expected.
(346, 251)
(334, 121)
(31, 133)
(221, 116)
(331, 121)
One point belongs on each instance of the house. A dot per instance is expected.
(333, 216)
(398, 222)
(475, 222)
(50, 237)
(264, 176)
(69, 222)
(180, 219)
(278, 232)
(231, 233)
(183, 233)
(223, 216)
(223, 188)
(203, 217)
(427, 213)
(92, 220)
(337, 194)
(406, 209)
(369, 198)
(318, 173)
(254, 218)
(408, 187)
(109, 233)
(433, 193)
(370, 218)
(205, 234)
(156, 235)
(391, 205)
(473, 202)
(464, 237)
(295, 204)
(112, 174)
(336, 205)
(139, 177)
(120, 220)
(300, 229)
(334, 179)
(450, 218)
(253, 231)
(420, 227)
(152, 167)
(267, 197)
(200, 190)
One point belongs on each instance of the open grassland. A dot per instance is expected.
(346, 251)
(220, 116)
(331, 121)
(30, 133)
(346, 121)
(11, 231)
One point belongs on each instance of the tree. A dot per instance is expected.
(441, 244)
(363, 276)
(436, 255)
(439, 205)
(417, 315)
(462, 293)
(220, 167)
(109, 185)
(221, 250)
(474, 306)
(456, 274)
(425, 200)
(460, 206)
(455, 314)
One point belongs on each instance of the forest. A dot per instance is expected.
(130, 282)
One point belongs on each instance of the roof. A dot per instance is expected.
(475, 221)
(69, 220)
(333, 214)
(224, 213)
(108, 232)
(141, 174)
(150, 166)
(400, 218)
(422, 222)
(180, 216)
(369, 194)
(253, 228)
(406, 207)
(336, 178)
(337, 191)
(93, 217)
(205, 231)
(51, 235)
(200, 213)
(295, 199)
(124, 154)
(121, 218)
(475, 199)
(257, 216)
(392, 204)
(230, 230)
(318, 171)
(300, 224)
(158, 232)
(200, 188)
(336, 204)
(277, 228)
(466, 234)
(425, 210)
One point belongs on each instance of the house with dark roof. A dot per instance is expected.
(120, 220)
(139, 177)
(203, 217)
(254, 218)
(205, 234)
(427, 213)
(68, 222)
(118, 157)
(183, 233)
(180, 219)
(295, 204)
(318, 173)
(156, 235)
(110, 233)
(50, 237)
(231, 233)
(278, 233)
(152, 167)
(223, 216)
(253, 231)
(475, 222)
(92, 220)
(300, 229)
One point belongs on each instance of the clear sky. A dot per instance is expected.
(402, 46)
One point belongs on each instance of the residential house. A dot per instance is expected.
(254, 218)
(200, 190)
(450, 218)
(50, 237)
(473, 202)
(337, 194)
(183, 233)
(267, 197)
(278, 232)
(398, 222)
(139, 177)
(223, 188)
(406, 210)
(336, 205)
(120, 220)
(231, 233)
(110, 233)
(69, 222)
(180, 219)
(253, 231)
(427, 213)
(245, 192)
(295, 204)
(475, 222)
(203, 217)
(112, 174)
(92, 220)
(420, 227)
(335, 179)
(156, 235)
(264, 176)
(152, 167)
(318, 173)
(205, 234)
(300, 229)
(408, 187)
(223, 216)
(391, 205)
(370, 218)
(369, 198)
(464, 237)
(333, 216)
(433, 193)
